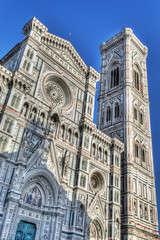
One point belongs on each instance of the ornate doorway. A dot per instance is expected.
(95, 230)
(25, 231)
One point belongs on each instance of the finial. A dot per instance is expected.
(124, 26)
(69, 37)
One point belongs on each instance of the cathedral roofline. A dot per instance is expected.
(39, 32)
(53, 40)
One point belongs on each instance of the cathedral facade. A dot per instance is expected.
(61, 176)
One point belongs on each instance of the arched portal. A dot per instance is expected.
(95, 230)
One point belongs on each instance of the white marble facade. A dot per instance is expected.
(60, 175)
(56, 178)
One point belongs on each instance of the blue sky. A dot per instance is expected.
(90, 23)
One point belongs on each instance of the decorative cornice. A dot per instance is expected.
(5, 73)
(126, 33)
(20, 82)
(96, 133)
(51, 40)
(55, 41)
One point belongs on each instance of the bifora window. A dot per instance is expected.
(15, 101)
(114, 77)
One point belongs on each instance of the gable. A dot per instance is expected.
(64, 50)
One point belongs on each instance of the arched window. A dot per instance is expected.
(76, 139)
(143, 154)
(62, 131)
(105, 157)
(135, 113)
(41, 118)
(116, 110)
(141, 118)
(33, 114)
(94, 149)
(146, 213)
(136, 152)
(53, 122)
(141, 210)
(108, 117)
(114, 77)
(55, 118)
(151, 215)
(136, 79)
(25, 109)
(69, 135)
(135, 207)
(99, 153)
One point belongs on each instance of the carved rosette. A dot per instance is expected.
(55, 93)
(58, 92)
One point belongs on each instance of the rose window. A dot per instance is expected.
(57, 92)
(97, 181)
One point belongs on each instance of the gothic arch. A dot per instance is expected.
(48, 182)
(138, 85)
(96, 229)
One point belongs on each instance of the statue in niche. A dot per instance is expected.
(33, 197)
(18, 179)
(65, 164)
(117, 228)
(80, 217)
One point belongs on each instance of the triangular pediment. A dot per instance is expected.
(65, 50)
(45, 157)
(96, 208)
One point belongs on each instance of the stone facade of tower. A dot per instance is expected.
(59, 174)
(124, 114)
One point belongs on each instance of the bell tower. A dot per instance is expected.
(123, 112)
